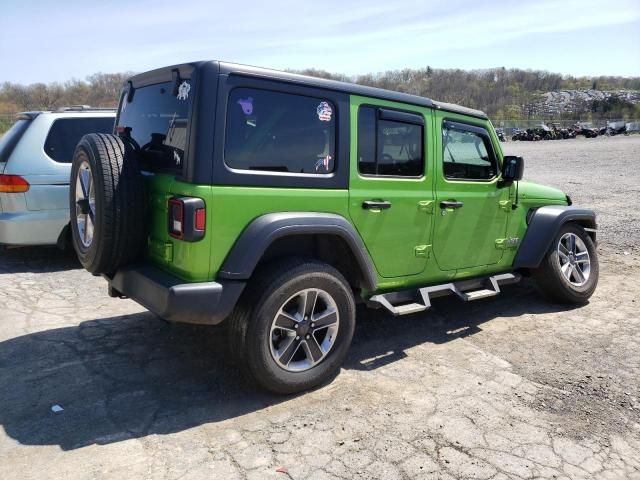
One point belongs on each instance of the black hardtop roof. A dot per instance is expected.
(163, 74)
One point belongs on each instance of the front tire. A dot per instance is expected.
(293, 327)
(569, 271)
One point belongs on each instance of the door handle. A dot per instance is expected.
(450, 204)
(376, 205)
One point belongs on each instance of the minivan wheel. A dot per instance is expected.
(85, 203)
(106, 202)
(569, 271)
(292, 329)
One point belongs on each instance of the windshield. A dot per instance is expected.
(157, 120)
(10, 139)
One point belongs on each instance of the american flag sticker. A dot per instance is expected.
(324, 112)
(323, 163)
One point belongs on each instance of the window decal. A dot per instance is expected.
(323, 163)
(324, 112)
(183, 91)
(247, 105)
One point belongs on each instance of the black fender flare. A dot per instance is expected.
(264, 230)
(544, 225)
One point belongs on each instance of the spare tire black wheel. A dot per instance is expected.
(106, 203)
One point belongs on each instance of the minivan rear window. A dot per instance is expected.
(65, 133)
(157, 121)
(10, 139)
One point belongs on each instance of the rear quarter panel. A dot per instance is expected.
(230, 209)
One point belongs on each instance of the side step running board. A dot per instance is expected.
(418, 300)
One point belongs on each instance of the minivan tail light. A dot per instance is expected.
(186, 218)
(13, 184)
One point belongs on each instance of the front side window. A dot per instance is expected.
(157, 120)
(389, 147)
(65, 133)
(467, 154)
(280, 132)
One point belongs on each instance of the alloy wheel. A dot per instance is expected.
(304, 330)
(573, 256)
(85, 204)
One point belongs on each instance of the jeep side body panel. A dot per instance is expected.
(438, 225)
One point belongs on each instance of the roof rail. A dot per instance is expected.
(81, 108)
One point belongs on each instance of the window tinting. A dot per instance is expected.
(157, 120)
(65, 133)
(279, 132)
(467, 155)
(388, 147)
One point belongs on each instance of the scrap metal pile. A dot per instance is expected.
(555, 132)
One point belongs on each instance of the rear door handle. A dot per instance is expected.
(450, 204)
(376, 205)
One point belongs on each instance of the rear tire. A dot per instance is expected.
(569, 271)
(262, 348)
(106, 202)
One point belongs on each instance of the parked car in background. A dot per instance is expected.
(35, 164)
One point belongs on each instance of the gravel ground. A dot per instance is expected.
(509, 387)
(602, 173)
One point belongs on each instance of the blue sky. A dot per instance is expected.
(44, 41)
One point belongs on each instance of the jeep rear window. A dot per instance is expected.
(157, 121)
(280, 132)
(65, 133)
(10, 139)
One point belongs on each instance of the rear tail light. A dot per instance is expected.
(187, 218)
(13, 184)
(176, 218)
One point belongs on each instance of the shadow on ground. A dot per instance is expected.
(37, 260)
(135, 375)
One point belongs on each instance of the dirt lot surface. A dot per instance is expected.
(510, 387)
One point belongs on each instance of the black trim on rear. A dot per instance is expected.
(172, 299)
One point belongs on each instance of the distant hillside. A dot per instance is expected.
(502, 93)
(506, 94)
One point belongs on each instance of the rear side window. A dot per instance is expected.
(10, 139)
(390, 143)
(279, 132)
(65, 133)
(467, 153)
(157, 120)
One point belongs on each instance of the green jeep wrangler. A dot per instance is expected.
(277, 201)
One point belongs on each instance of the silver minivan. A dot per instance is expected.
(35, 164)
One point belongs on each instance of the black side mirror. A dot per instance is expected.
(512, 169)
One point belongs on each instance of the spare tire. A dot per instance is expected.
(106, 203)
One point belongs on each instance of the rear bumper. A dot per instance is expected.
(172, 299)
(40, 227)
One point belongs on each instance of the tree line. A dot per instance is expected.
(98, 90)
(502, 93)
